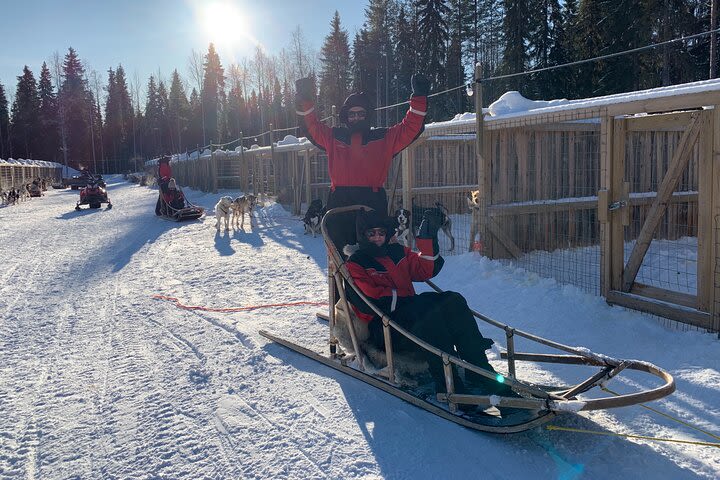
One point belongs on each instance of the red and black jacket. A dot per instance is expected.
(389, 278)
(373, 150)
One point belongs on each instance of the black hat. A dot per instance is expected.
(367, 219)
(355, 100)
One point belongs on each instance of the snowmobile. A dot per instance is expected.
(189, 211)
(94, 194)
(529, 406)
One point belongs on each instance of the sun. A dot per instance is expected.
(226, 26)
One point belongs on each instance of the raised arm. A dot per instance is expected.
(404, 133)
(318, 133)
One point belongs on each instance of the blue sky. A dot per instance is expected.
(150, 35)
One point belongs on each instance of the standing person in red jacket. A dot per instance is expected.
(359, 156)
(385, 272)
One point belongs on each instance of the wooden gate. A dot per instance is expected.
(656, 208)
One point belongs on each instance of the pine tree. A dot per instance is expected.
(4, 125)
(213, 95)
(49, 138)
(335, 72)
(25, 125)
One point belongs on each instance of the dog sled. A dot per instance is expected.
(532, 405)
(167, 211)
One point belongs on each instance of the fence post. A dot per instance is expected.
(272, 162)
(243, 166)
(484, 164)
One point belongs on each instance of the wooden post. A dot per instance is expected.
(308, 178)
(483, 164)
(705, 221)
(407, 175)
(243, 167)
(715, 218)
(617, 179)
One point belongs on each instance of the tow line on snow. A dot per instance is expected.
(657, 439)
(235, 309)
(627, 435)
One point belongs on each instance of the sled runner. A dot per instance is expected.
(530, 405)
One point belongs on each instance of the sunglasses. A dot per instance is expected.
(375, 232)
(358, 115)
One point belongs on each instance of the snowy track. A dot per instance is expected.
(100, 380)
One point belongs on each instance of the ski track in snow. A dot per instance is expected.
(100, 380)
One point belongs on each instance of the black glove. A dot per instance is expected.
(304, 90)
(432, 220)
(420, 85)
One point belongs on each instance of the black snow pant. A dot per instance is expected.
(445, 321)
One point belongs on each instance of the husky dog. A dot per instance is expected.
(403, 231)
(446, 226)
(473, 201)
(222, 211)
(241, 205)
(313, 217)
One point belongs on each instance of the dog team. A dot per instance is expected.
(233, 211)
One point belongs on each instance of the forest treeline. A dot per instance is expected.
(111, 123)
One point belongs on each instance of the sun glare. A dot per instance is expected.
(226, 26)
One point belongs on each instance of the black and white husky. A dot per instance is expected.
(313, 217)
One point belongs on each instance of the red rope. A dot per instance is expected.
(236, 309)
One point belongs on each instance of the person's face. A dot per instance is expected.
(356, 114)
(376, 236)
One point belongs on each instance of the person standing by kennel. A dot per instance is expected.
(359, 156)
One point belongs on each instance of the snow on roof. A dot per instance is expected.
(513, 105)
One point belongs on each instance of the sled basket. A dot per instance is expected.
(532, 405)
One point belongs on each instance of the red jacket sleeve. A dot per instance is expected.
(365, 281)
(320, 134)
(426, 263)
(401, 135)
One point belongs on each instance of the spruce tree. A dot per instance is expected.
(213, 95)
(178, 114)
(118, 127)
(76, 100)
(335, 71)
(195, 133)
(434, 36)
(25, 125)
(49, 139)
(515, 56)
(405, 57)
(4, 125)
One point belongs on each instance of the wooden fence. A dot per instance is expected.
(614, 194)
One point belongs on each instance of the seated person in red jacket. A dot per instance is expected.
(385, 272)
(173, 196)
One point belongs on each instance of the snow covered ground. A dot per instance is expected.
(98, 379)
